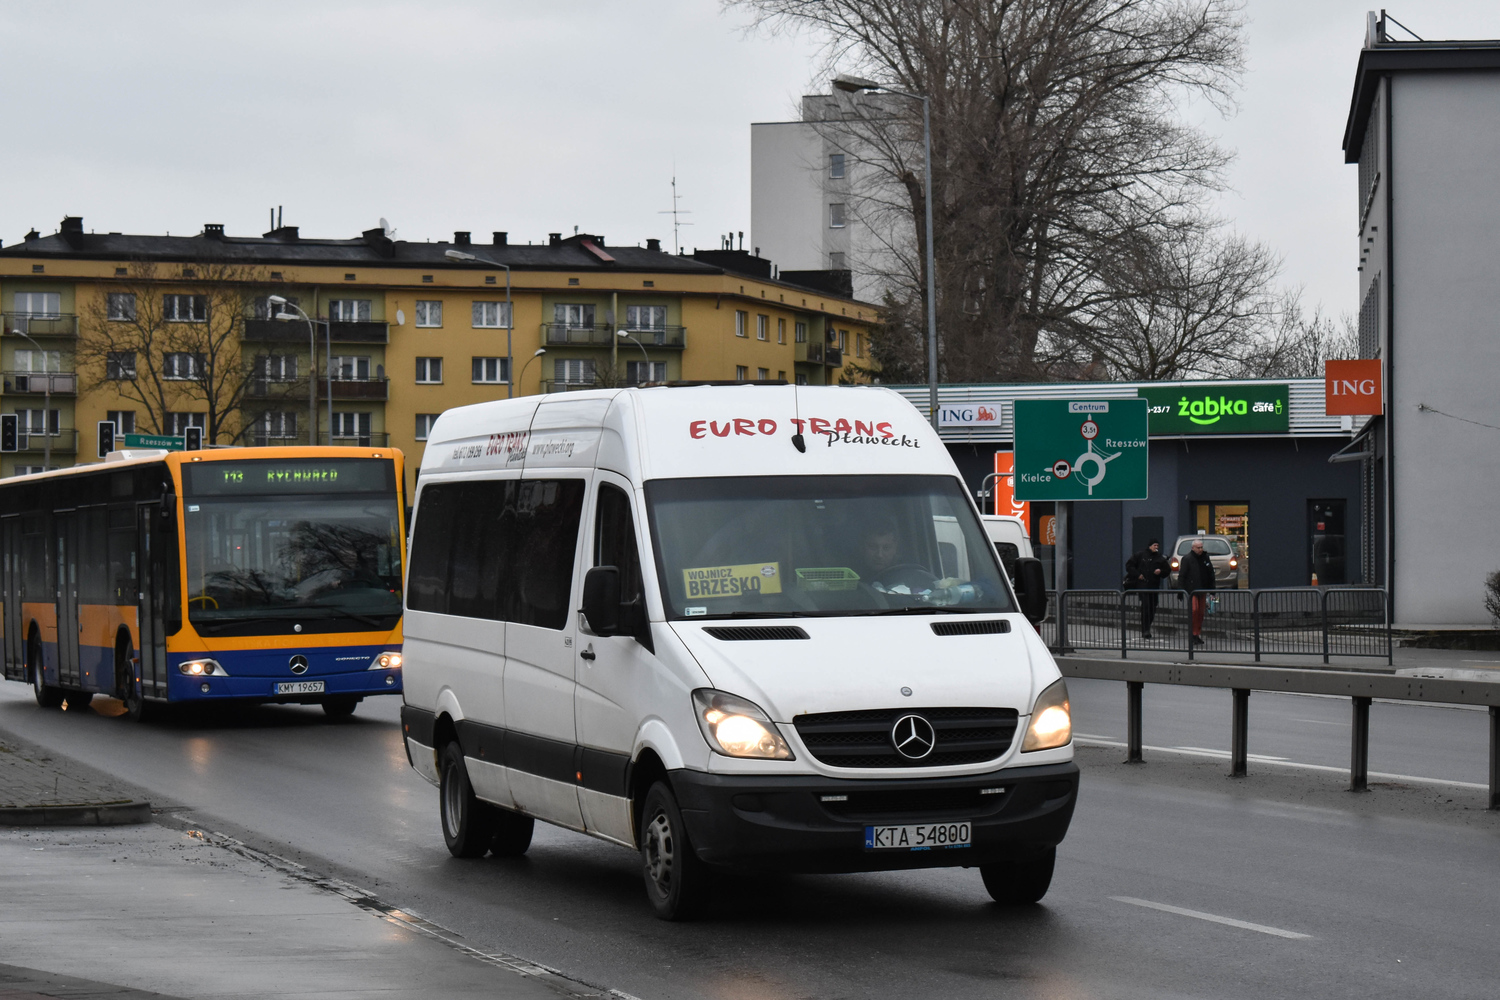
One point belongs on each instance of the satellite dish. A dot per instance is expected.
(400, 318)
(389, 232)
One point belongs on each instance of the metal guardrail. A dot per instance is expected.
(1298, 621)
(1360, 687)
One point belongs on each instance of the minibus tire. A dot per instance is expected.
(676, 881)
(468, 824)
(512, 834)
(1017, 883)
(46, 695)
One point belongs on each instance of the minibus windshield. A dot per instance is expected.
(784, 546)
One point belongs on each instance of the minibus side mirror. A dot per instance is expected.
(1031, 590)
(601, 600)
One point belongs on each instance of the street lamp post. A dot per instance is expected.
(510, 320)
(853, 85)
(312, 360)
(622, 332)
(46, 404)
(539, 352)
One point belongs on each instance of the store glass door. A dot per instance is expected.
(1231, 520)
(1325, 543)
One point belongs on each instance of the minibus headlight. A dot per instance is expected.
(735, 727)
(386, 661)
(202, 668)
(1051, 720)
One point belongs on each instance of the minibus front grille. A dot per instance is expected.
(935, 803)
(751, 633)
(863, 739)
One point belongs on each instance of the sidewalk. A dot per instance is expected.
(1460, 664)
(36, 790)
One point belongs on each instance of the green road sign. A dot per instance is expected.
(153, 441)
(1069, 449)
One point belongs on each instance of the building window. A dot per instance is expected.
(178, 423)
(39, 305)
(429, 371)
(424, 425)
(429, 313)
(183, 366)
(496, 315)
(264, 308)
(119, 365)
(836, 262)
(124, 421)
(762, 374)
(349, 310)
(836, 216)
(842, 340)
(781, 376)
(573, 371)
(39, 422)
(781, 331)
(350, 368)
(859, 345)
(741, 321)
(38, 362)
(762, 326)
(801, 333)
(489, 371)
(277, 425)
(836, 165)
(1369, 321)
(276, 367)
(354, 426)
(574, 316)
(801, 379)
(742, 373)
(184, 308)
(641, 372)
(646, 317)
(121, 306)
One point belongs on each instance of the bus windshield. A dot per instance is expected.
(305, 553)
(821, 545)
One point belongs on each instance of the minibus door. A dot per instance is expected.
(614, 672)
(67, 599)
(152, 668)
(10, 593)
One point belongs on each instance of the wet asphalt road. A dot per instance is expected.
(1366, 889)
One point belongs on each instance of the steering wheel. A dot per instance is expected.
(204, 597)
(914, 575)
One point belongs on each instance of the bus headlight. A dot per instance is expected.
(735, 727)
(1051, 720)
(202, 668)
(386, 661)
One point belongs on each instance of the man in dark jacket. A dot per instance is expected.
(1145, 571)
(1197, 573)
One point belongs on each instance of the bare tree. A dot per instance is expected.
(1056, 144)
(1295, 345)
(172, 339)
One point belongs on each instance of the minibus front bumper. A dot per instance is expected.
(817, 824)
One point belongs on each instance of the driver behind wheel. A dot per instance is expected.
(884, 567)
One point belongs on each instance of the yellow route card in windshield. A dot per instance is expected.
(733, 581)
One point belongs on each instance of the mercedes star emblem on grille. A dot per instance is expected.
(298, 664)
(913, 737)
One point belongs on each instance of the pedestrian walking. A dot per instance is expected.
(1196, 574)
(1145, 571)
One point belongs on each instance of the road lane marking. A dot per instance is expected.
(1220, 754)
(1243, 925)
(1323, 722)
(1225, 753)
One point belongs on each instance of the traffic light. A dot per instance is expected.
(9, 432)
(106, 437)
(192, 439)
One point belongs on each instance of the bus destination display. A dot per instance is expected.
(260, 476)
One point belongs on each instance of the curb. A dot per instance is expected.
(101, 814)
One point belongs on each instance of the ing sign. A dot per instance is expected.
(1352, 388)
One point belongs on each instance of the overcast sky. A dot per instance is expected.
(535, 117)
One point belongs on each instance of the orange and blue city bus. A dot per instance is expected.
(228, 575)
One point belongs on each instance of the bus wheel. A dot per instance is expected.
(77, 699)
(46, 696)
(468, 824)
(341, 707)
(676, 881)
(1017, 883)
(136, 705)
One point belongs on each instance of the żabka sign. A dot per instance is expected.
(1210, 408)
(1352, 388)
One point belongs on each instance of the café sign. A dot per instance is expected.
(1206, 408)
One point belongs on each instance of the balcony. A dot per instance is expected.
(61, 325)
(360, 333)
(833, 357)
(377, 439)
(602, 335)
(557, 385)
(34, 384)
(356, 388)
(374, 440)
(810, 351)
(64, 442)
(294, 331)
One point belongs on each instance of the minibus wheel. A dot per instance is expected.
(1019, 882)
(512, 834)
(468, 824)
(46, 696)
(676, 881)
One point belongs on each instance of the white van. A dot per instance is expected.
(753, 626)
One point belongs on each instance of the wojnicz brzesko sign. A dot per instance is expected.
(1211, 409)
(1070, 449)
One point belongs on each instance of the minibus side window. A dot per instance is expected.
(614, 540)
(432, 541)
(480, 562)
(542, 551)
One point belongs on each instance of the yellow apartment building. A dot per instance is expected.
(281, 339)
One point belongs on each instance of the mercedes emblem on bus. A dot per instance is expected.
(298, 664)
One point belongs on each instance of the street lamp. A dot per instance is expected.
(853, 85)
(622, 332)
(312, 375)
(46, 404)
(510, 321)
(539, 352)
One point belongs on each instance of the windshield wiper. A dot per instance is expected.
(224, 623)
(340, 612)
(925, 609)
(752, 614)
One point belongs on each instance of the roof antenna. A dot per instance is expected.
(674, 212)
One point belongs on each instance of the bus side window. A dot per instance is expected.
(93, 558)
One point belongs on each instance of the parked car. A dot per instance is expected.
(1222, 550)
(1009, 537)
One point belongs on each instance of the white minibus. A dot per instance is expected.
(744, 626)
